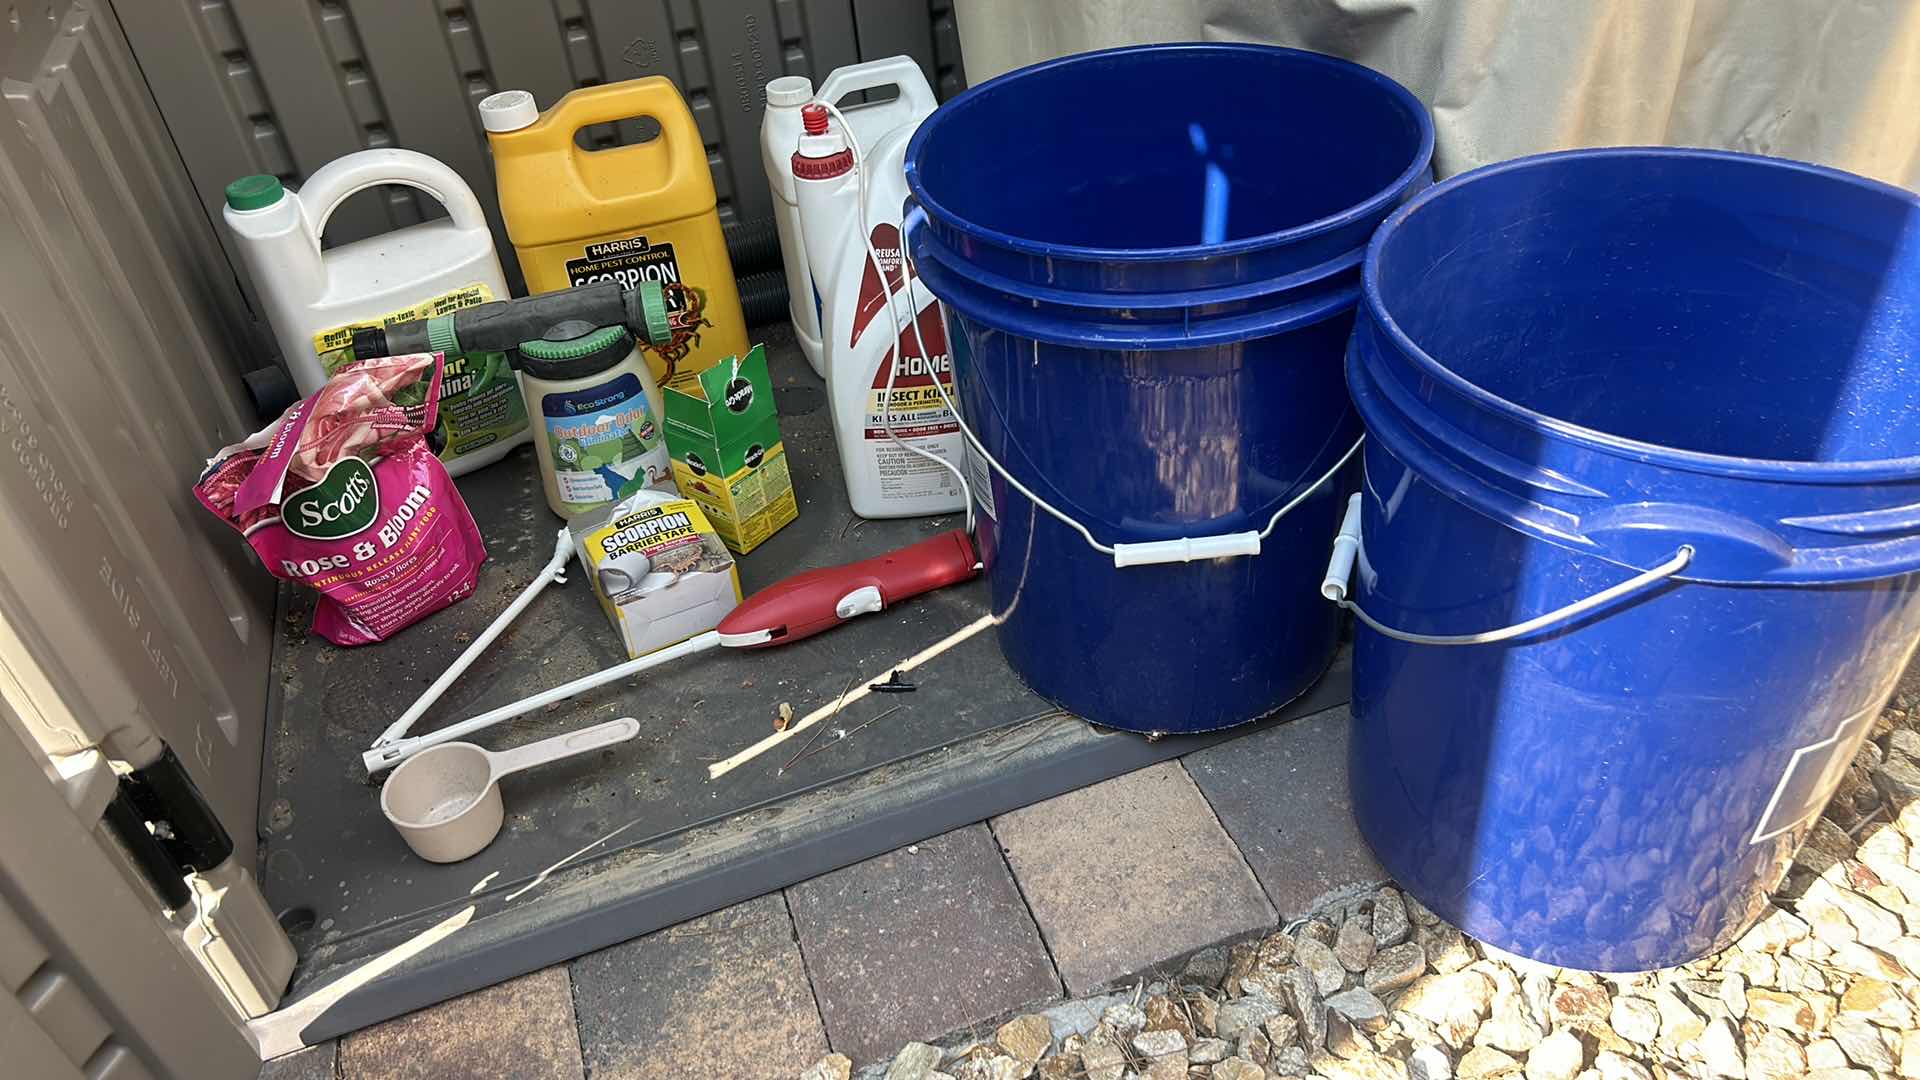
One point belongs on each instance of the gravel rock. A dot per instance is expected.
(1775, 930)
(1282, 1030)
(1679, 1023)
(1208, 1051)
(1733, 994)
(915, 1061)
(1512, 1027)
(1166, 1054)
(1571, 1004)
(1126, 1019)
(831, 1067)
(1899, 781)
(1343, 1039)
(1838, 1074)
(1303, 994)
(1483, 1062)
(1205, 968)
(1783, 1011)
(1910, 1054)
(1391, 923)
(1454, 1004)
(1290, 1061)
(1636, 1019)
(1773, 1056)
(1255, 1046)
(1840, 915)
(1394, 967)
(1363, 1067)
(1236, 1018)
(1614, 1066)
(1719, 1050)
(1825, 1054)
(1429, 1063)
(1354, 947)
(1559, 1056)
(1238, 1068)
(1877, 1001)
(1360, 1008)
(1328, 973)
(1862, 1043)
(1103, 1060)
(1446, 948)
(1417, 911)
(1027, 1038)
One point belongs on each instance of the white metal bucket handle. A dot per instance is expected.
(1149, 552)
(1347, 545)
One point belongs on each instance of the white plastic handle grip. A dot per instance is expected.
(336, 181)
(899, 72)
(1186, 549)
(560, 747)
(1346, 545)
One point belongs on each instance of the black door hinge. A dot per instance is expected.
(168, 826)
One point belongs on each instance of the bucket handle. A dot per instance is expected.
(1347, 544)
(331, 184)
(1183, 549)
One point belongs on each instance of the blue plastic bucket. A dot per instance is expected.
(1148, 296)
(1692, 374)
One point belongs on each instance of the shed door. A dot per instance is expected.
(121, 339)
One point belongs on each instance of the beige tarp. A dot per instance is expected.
(1831, 81)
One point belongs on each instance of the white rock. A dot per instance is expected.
(1429, 1063)
(1862, 1043)
(1825, 1054)
(1614, 1066)
(1360, 1008)
(1559, 1056)
(1126, 1018)
(1635, 1019)
(1733, 994)
(1679, 1022)
(1720, 1050)
(1773, 932)
(1102, 1060)
(1512, 1027)
(1454, 1004)
(1773, 1056)
(1871, 924)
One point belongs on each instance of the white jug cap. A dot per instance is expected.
(508, 110)
(789, 90)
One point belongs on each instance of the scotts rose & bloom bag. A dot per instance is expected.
(343, 494)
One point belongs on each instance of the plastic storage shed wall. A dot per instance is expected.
(284, 86)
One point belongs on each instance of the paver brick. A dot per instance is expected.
(1129, 873)
(918, 942)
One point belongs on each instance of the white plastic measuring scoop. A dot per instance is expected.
(445, 800)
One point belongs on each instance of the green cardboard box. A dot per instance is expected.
(724, 437)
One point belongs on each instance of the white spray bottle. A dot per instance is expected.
(780, 129)
(900, 445)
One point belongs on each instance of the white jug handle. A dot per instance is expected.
(897, 71)
(331, 184)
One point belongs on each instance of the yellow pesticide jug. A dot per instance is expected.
(626, 213)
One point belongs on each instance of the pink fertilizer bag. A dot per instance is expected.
(343, 495)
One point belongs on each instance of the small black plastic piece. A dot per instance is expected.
(894, 685)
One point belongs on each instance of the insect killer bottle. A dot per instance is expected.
(642, 212)
(889, 419)
(317, 297)
(780, 128)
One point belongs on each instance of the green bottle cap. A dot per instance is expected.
(653, 303)
(254, 192)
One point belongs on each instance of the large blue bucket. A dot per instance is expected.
(1149, 259)
(1687, 382)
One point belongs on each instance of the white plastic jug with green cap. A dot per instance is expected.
(316, 297)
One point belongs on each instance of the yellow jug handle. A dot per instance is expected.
(654, 97)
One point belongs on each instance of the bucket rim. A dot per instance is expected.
(1777, 469)
(1372, 205)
